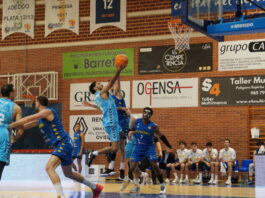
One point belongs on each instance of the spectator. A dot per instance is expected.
(167, 158)
(259, 151)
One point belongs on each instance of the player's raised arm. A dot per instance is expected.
(110, 84)
(162, 137)
(42, 114)
(87, 104)
(117, 89)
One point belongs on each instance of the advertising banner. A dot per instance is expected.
(61, 14)
(228, 91)
(92, 64)
(79, 92)
(205, 5)
(165, 59)
(18, 16)
(165, 93)
(108, 12)
(241, 55)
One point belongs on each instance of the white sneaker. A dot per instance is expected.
(228, 182)
(167, 181)
(163, 189)
(185, 181)
(215, 182)
(181, 181)
(175, 180)
(211, 181)
(198, 181)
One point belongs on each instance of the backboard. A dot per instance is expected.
(218, 18)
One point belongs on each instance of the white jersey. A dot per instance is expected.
(195, 156)
(227, 155)
(207, 156)
(182, 155)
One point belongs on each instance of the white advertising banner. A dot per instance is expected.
(241, 55)
(61, 14)
(18, 16)
(108, 12)
(91, 126)
(165, 93)
(79, 92)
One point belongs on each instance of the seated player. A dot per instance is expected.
(209, 162)
(54, 134)
(227, 158)
(193, 162)
(259, 151)
(182, 155)
(78, 144)
(168, 157)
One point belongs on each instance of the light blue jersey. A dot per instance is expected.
(109, 110)
(6, 116)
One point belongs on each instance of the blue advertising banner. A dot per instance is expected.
(228, 5)
(106, 13)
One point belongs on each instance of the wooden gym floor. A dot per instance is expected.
(44, 189)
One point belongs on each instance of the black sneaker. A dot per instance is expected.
(108, 172)
(122, 174)
(89, 158)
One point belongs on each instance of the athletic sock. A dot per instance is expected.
(212, 176)
(111, 165)
(88, 183)
(176, 175)
(95, 153)
(122, 165)
(59, 189)
(200, 176)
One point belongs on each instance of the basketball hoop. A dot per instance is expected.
(181, 34)
(30, 100)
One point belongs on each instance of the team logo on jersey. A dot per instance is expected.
(149, 127)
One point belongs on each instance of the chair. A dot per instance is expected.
(245, 165)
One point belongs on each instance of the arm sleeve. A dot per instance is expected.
(165, 141)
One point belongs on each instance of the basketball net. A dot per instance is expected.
(30, 100)
(181, 34)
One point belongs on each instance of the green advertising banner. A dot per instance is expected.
(91, 64)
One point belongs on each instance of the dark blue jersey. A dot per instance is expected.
(122, 115)
(144, 132)
(77, 140)
(52, 131)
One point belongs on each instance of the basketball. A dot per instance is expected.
(121, 60)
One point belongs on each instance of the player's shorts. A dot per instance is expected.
(5, 145)
(64, 150)
(124, 124)
(128, 150)
(139, 152)
(75, 153)
(234, 167)
(193, 167)
(178, 168)
(204, 167)
(114, 132)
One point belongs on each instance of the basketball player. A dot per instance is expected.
(227, 158)
(182, 155)
(8, 112)
(209, 162)
(79, 140)
(123, 117)
(110, 116)
(144, 131)
(193, 162)
(54, 134)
